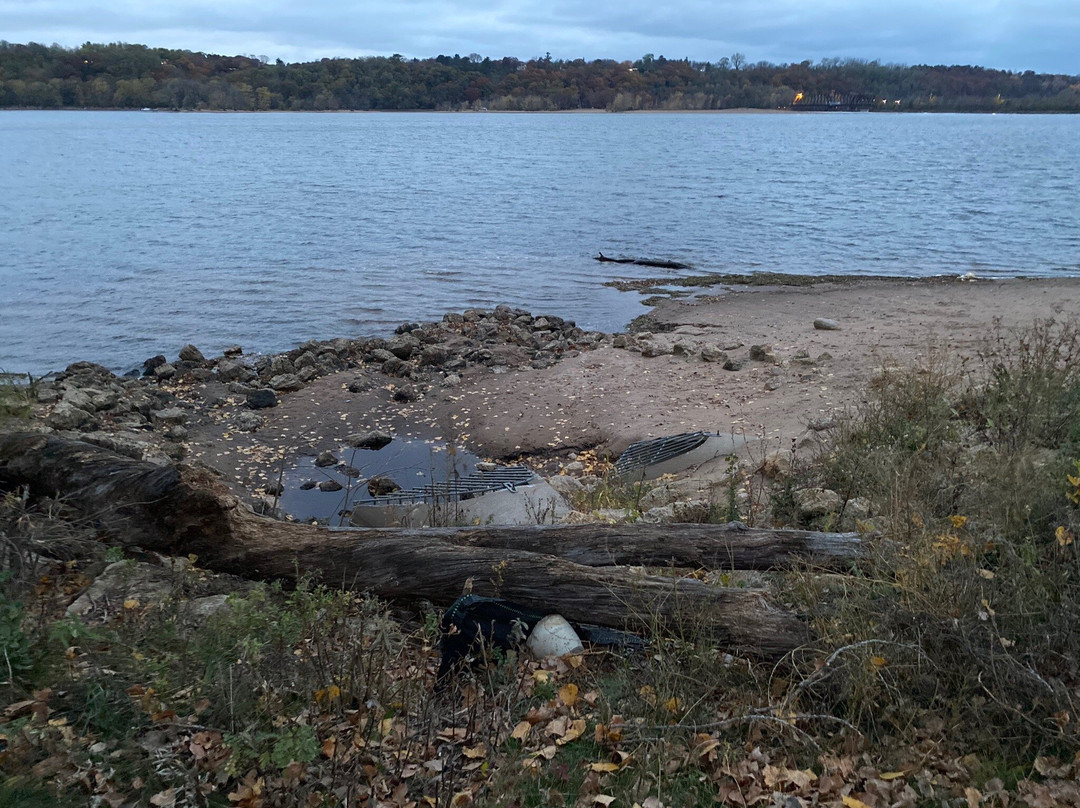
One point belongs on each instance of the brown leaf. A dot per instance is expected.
(475, 752)
(521, 731)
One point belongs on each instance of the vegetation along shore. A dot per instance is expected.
(126, 76)
(869, 599)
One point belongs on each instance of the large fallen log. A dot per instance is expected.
(185, 509)
(732, 546)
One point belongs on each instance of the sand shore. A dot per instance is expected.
(611, 396)
(686, 366)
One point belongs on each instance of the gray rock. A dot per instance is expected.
(201, 609)
(375, 439)
(451, 380)
(67, 416)
(359, 385)
(230, 370)
(169, 417)
(403, 346)
(762, 353)
(435, 355)
(249, 421)
(274, 489)
(815, 502)
(153, 363)
(281, 365)
(619, 341)
(567, 486)
(189, 353)
(825, 324)
(330, 485)
(406, 393)
(733, 364)
(381, 355)
(325, 459)
(777, 465)
(305, 360)
(166, 371)
(693, 512)
(773, 383)
(396, 367)
(308, 374)
(120, 583)
(80, 399)
(307, 486)
(286, 382)
(261, 399)
(712, 353)
(232, 350)
(176, 433)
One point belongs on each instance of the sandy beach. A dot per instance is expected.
(743, 358)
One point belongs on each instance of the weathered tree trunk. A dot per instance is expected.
(184, 509)
(732, 546)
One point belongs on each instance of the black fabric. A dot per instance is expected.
(474, 622)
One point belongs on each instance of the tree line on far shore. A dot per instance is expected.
(122, 75)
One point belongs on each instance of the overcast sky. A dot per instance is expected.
(1041, 35)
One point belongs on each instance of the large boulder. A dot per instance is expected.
(67, 416)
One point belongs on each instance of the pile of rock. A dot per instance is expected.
(424, 353)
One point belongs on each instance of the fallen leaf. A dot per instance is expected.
(475, 752)
(568, 694)
(573, 732)
(852, 802)
(604, 767)
(603, 799)
(892, 775)
(521, 731)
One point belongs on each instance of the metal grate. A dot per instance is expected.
(657, 450)
(481, 482)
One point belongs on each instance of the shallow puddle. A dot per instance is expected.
(408, 463)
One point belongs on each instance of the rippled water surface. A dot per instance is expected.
(126, 234)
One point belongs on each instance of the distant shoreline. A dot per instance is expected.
(729, 111)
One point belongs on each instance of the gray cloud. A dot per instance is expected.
(1010, 34)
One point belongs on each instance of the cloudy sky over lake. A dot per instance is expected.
(1042, 35)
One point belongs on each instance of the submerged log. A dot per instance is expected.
(185, 509)
(644, 262)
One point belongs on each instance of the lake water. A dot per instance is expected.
(126, 234)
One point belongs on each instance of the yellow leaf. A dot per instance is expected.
(878, 661)
(646, 692)
(385, 726)
(568, 694)
(892, 775)
(958, 521)
(573, 732)
(987, 574)
(521, 730)
(603, 767)
(673, 705)
(548, 752)
(541, 676)
(131, 603)
(1064, 537)
(851, 802)
(475, 752)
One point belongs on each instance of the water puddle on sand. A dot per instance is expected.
(408, 463)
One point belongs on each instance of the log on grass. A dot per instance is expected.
(185, 509)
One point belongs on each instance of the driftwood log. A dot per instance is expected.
(186, 509)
